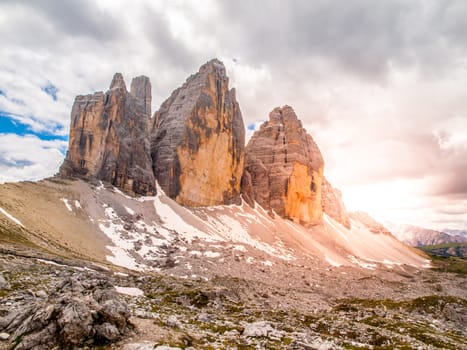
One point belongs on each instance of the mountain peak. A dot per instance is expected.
(213, 66)
(284, 168)
(117, 82)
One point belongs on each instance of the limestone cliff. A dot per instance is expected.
(197, 140)
(333, 205)
(284, 168)
(109, 137)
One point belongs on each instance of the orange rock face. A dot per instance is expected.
(284, 169)
(109, 137)
(197, 140)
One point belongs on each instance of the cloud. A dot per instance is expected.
(28, 157)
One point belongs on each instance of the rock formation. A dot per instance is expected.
(284, 168)
(109, 137)
(333, 205)
(197, 140)
(81, 310)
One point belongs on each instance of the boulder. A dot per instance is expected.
(109, 137)
(197, 140)
(284, 169)
(82, 310)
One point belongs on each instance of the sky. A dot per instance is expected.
(381, 86)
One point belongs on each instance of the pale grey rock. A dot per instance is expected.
(173, 322)
(140, 346)
(204, 317)
(107, 331)
(41, 294)
(146, 314)
(258, 329)
(4, 336)
(3, 282)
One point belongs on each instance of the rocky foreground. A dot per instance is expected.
(65, 304)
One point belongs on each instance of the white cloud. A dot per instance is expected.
(28, 157)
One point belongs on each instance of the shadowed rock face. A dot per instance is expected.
(284, 169)
(197, 140)
(109, 138)
(333, 205)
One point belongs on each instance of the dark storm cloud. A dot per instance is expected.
(363, 37)
(75, 18)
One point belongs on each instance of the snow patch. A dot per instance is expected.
(361, 263)
(240, 248)
(209, 254)
(50, 262)
(130, 211)
(67, 205)
(122, 274)
(267, 263)
(101, 186)
(77, 204)
(331, 262)
(176, 222)
(11, 217)
(134, 292)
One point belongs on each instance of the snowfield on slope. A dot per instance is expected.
(168, 233)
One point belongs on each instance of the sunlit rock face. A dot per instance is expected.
(197, 140)
(333, 205)
(109, 137)
(284, 169)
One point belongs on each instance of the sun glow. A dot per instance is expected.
(390, 201)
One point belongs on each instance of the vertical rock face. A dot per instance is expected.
(284, 168)
(197, 140)
(109, 138)
(333, 205)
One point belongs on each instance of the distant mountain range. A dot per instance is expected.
(462, 233)
(418, 236)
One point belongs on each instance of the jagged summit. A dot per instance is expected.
(117, 82)
(109, 137)
(284, 168)
(213, 65)
(197, 140)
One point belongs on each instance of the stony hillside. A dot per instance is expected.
(212, 277)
